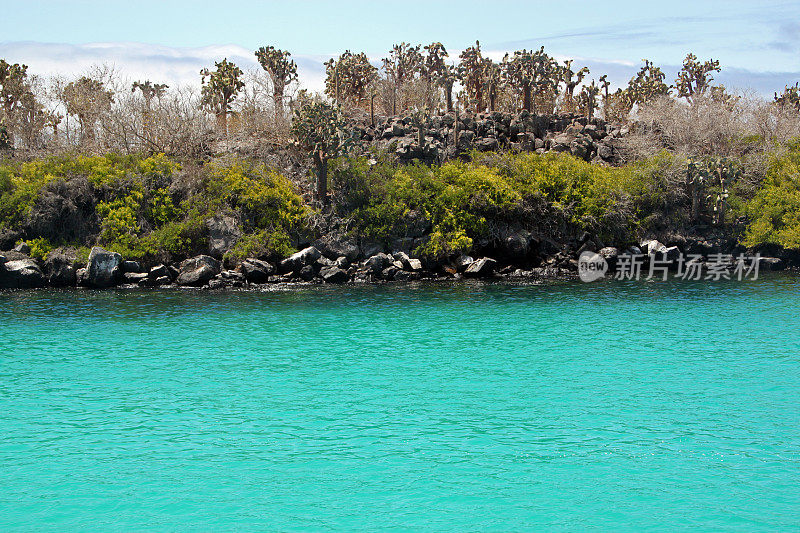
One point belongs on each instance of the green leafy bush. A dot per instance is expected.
(774, 212)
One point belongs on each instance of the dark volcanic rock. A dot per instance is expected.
(256, 270)
(333, 274)
(103, 268)
(198, 270)
(21, 274)
(296, 262)
(481, 268)
(60, 268)
(223, 233)
(333, 247)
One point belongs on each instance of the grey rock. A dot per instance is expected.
(333, 248)
(296, 262)
(403, 259)
(256, 270)
(463, 262)
(134, 277)
(378, 262)
(130, 266)
(198, 270)
(21, 274)
(60, 268)
(333, 274)
(481, 268)
(415, 265)
(652, 247)
(771, 263)
(159, 271)
(23, 248)
(103, 268)
(223, 233)
(306, 273)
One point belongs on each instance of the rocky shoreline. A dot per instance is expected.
(334, 262)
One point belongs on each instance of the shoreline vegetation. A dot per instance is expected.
(424, 169)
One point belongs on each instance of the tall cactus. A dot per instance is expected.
(694, 78)
(349, 78)
(403, 63)
(471, 74)
(571, 80)
(434, 70)
(221, 89)
(320, 130)
(282, 71)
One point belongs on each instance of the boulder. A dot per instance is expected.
(463, 262)
(103, 268)
(160, 271)
(223, 233)
(296, 262)
(333, 248)
(23, 248)
(403, 259)
(333, 274)
(610, 254)
(652, 247)
(481, 268)
(21, 274)
(134, 277)
(60, 268)
(378, 262)
(198, 270)
(415, 265)
(130, 266)
(8, 238)
(256, 270)
(306, 273)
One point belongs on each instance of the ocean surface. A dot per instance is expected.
(608, 406)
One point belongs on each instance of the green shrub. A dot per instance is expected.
(774, 212)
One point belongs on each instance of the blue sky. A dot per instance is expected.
(757, 43)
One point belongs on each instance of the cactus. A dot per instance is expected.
(571, 80)
(435, 71)
(647, 84)
(88, 99)
(403, 63)
(281, 70)
(695, 78)
(492, 76)
(605, 84)
(587, 99)
(220, 91)
(708, 181)
(471, 74)
(790, 97)
(533, 74)
(13, 87)
(349, 78)
(320, 130)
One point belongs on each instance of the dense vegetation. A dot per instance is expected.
(145, 169)
(153, 208)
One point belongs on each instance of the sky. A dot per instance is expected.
(756, 42)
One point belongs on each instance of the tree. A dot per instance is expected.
(647, 84)
(492, 81)
(348, 78)
(605, 84)
(403, 63)
(471, 73)
(790, 97)
(320, 129)
(89, 100)
(587, 99)
(281, 70)
(220, 91)
(149, 90)
(13, 88)
(694, 78)
(434, 71)
(571, 80)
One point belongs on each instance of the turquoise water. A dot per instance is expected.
(453, 407)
